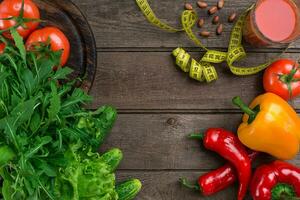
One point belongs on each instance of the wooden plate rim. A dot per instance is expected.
(88, 40)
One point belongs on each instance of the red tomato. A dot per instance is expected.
(12, 8)
(58, 41)
(281, 78)
(2, 47)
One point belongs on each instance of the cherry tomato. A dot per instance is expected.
(5, 24)
(2, 47)
(283, 78)
(12, 8)
(58, 41)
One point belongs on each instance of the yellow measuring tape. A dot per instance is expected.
(204, 70)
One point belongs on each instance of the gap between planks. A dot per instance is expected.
(189, 49)
(164, 170)
(183, 111)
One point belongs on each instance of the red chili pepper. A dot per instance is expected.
(217, 180)
(277, 180)
(227, 144)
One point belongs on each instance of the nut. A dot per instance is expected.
(201, 23)
(221, 4)
(219, 29)
(216, 19)
(213, 10)
(205, 33)
(202, 4)
(188, 6)
(232, 17)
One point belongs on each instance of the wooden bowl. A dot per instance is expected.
(66, 16)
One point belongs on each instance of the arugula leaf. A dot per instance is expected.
(45, 67)
(54, 103)
(19, 44)
(35, 122)
(15, 99)
(7, 125)
(78, 96)
(7, 191)
(62, 73)
(7, 155)
(29, 81)
(4, 91)
(75, 134)
(22, 112)
(40, 142)
(3, 76)
(45, 167)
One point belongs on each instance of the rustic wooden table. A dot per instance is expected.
(158, 104)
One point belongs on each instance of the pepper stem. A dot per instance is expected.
(284, 191)
(187, 184)
(239, 102)
(198, 136)
(251, 112)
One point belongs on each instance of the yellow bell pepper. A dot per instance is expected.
(270, 125)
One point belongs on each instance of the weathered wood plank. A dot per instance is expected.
(164, 185)
(150, 80)
(121, 24)
(159, 141)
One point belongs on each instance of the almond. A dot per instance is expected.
(213, 10)
(216, 19)
(221, 4)
(188, 6)
(205, 33)
(201, 23)
(219, 29)
(232, 17)
(202, 4)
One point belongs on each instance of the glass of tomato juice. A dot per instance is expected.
(273, 23)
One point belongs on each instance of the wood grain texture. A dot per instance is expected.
(121, 24)
(150, 80)
(159, 104)
(159, 141)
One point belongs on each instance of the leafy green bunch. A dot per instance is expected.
(48, 141)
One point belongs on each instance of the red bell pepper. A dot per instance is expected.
(277, 180)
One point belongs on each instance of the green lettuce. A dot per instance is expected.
(86, 177)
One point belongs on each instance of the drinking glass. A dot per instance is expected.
(273, 23)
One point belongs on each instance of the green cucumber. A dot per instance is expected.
(98, 124)
(106, 117)
(128, 189)
(112, 158)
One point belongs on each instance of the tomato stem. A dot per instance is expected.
(288, 79)
(22, 10)
(20, 20)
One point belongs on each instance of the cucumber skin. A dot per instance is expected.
(128, 189)
(106, 121)
(112, 158)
